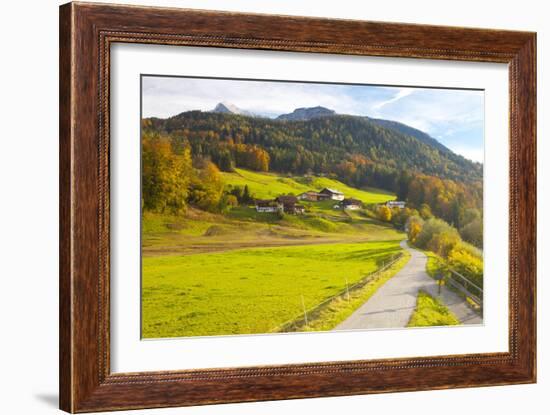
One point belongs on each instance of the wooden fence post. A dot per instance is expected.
(304, 308)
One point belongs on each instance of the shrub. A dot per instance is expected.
(165, 175)
(227, 202)
(384, 213)
(463, 260)
(206, 188)
(425, 211)
(437, 236)
(399, 217)
(470, 215)
(473, 232)
(414, 227)
(443, 243)
(444, 240)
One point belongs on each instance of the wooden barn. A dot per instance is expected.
(312, 196)
(352, 204)
(333, 194)
(268, 206)
(395, 203)
(290, 205)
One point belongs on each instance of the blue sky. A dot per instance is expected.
(453, 117)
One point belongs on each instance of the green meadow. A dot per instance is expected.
(198, 231)
(431, 311)
(249, 290)
(244, 272)
(269, 185)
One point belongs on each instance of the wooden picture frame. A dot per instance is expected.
(86, 33)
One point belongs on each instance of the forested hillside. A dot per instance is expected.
(209, 249)
(358, 151)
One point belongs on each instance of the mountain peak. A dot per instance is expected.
(304, 114)
(228, 108)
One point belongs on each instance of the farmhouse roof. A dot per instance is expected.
(351, 201)
(334, 191)
(287, 199)
(265, 203)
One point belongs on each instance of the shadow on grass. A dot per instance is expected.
(380, 255)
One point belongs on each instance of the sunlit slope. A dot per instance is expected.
(249, 291)
(270, 185)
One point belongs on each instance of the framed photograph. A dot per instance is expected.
(260, 207)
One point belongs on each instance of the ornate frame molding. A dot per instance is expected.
(86, 33)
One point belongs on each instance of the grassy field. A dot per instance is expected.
(430, 311)
(200, 232)
(268, 185)
(343, 306)
(244, 272)
(172, 235)
(249, 290)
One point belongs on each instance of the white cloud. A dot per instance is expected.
(454, 117)
(163, 97)
(402, 93)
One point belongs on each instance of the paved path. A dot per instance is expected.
(392, 305)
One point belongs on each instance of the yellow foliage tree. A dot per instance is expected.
(414, 229)
(165, 174)
(384, 213)
(467, 263)
(207, 188)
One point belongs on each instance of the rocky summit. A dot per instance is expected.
(304, 114)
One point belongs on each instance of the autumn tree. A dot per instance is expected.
(242, 194)
(437, 236)
(425, 211)
(378, 156)
(251, 157)
(400, 217)
(207, 187)
(414, 227)
(384, 213)
(165, 175)
(227, 202)
(358, 151)
(473, 232)
(467, 261)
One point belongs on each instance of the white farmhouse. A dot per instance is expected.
(395, 203)
(333, 193)
(352, 204)
(268, 206)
